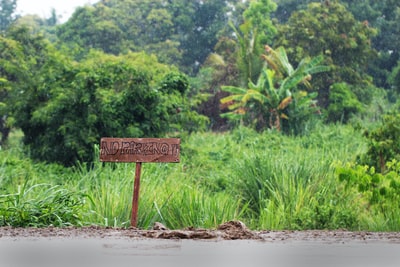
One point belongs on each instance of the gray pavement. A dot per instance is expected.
(125, 251)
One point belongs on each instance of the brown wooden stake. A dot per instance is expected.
(135, 199)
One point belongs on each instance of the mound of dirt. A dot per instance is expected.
(228, 231)
(237, 230)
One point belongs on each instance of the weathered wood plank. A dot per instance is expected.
(139, 149)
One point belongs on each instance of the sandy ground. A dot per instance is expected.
(232, 244)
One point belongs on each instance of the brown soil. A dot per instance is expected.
(232, 230)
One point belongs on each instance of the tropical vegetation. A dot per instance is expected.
(287, 111)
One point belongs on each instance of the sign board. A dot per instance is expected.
(139, 149)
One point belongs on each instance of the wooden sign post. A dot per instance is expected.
(139, 150)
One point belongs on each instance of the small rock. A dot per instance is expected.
(159, 226)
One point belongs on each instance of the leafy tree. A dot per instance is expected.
(33, 75)
(91, 28)
(394, 79)
(206, 19)
(236, 59)
(387, 43)
(329, 29)
(385, 16)
(53, 19)
(181, 107)
(39, 26)
(179, 32)
(6, 72)
(256, 31)
(382, 15)
(105, 96)
(64, 107)
(220, 68)
(119, 26)
(267, 102)
(287, 7)
(18, 63)
(5, 126)
(7, 13)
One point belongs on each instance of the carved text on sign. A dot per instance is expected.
(139, 149)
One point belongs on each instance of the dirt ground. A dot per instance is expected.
(232, 230)
(231, 244)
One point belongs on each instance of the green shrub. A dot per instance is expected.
(41, 205)
(378, 193)
(65, 112)
(383, 143)
(342, 103)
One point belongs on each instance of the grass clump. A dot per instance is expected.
(41, 205)
(289, 182)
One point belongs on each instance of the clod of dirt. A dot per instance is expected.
(236, 230)
(159, 226)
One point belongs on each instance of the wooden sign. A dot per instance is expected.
(139, 150)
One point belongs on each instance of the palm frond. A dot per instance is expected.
(231, 98)
(234, 89)
(271, 62)
(284, 61)
(285, 102)
(291, 82)
(254, 94)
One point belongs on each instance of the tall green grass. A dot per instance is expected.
(267, 180)
(165, 196)
(289, 182)
(31, 194)
(41, 205)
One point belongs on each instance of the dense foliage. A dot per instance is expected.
(383, 143)
(7, 13)
(269, 101)
(146, 68)
(181, 33)
(346, 46)
(267, 180)
(64, 107)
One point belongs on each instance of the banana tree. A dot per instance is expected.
(249, 62)
(271, 96)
